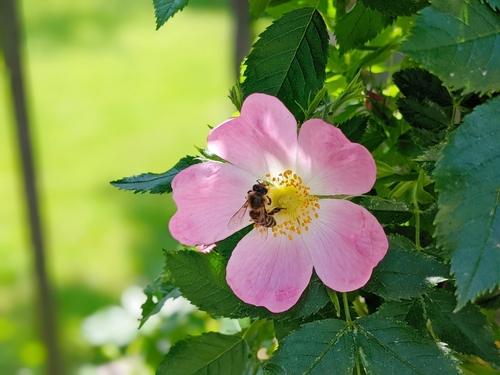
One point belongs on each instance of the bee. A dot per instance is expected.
(257, 200)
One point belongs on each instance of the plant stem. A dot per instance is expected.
(346, 309)
(417, 218)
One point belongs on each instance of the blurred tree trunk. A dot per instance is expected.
(242, 34)
(10, 42)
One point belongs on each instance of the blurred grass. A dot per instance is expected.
(109, 97)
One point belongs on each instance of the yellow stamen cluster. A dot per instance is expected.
(298, 207)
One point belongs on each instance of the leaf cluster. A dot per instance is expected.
(416, 83)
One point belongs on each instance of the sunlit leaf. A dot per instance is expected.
(468, 221)
(210, 353)
(359, 26)
(460, 42)
(152, 182)
(164, 9)
(289, 59)
(157, 294)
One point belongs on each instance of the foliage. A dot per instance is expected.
(417, 85)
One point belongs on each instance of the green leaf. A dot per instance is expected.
(155, 183)
(404, 272)
(359, 26)
(495, 4)
(257, 7)
(387, 211)
(164, 9)
(408, 311)
(396, 8)
(210, 353)
(427, 106)
(466, 331)
(289, 60)
(354, 128)
(460, 42)
(226, 246)
(202, 279)
(161, 290)
(383, 346)
(468, 221)
(422, 85)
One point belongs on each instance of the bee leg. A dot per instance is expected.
(276, 210)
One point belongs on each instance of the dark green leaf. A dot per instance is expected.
(384, 347)
(161, 290)
(210, 353)
(152, 182)
(410, 311)
(468, 221)
(495, 4)
(354, 128)
(289, 60)
(226, 246)
(257, 7)
(422, 85)
(466, 331)
(202, 279)
(404, 272)
(322, 347)
(460, 42)
(396, 8)
(359, 26)
(164, 9)
(394, 348)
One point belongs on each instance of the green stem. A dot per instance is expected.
(346, 309)
(416, 211)
(358, 367)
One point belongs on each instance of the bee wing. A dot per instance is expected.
(237, 219)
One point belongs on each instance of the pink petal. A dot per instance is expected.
(207, 196)
(263, 139)
(346, 242)
(331, 164)
(268, 271)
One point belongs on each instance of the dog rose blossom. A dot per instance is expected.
(303, 171)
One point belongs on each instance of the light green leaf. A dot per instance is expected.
(468, 221)
(210, 353)
(289, 60)
(164, 9)
(161, 290)
(404, 272)
(257, 7)
(359, 26)
(460, 42)
(152, 182)
(382, 345)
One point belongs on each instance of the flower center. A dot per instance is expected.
(293, 207)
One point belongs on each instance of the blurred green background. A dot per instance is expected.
(109, 97)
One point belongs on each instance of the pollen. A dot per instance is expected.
(297, 207)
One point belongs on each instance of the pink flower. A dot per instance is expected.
(271, 267)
